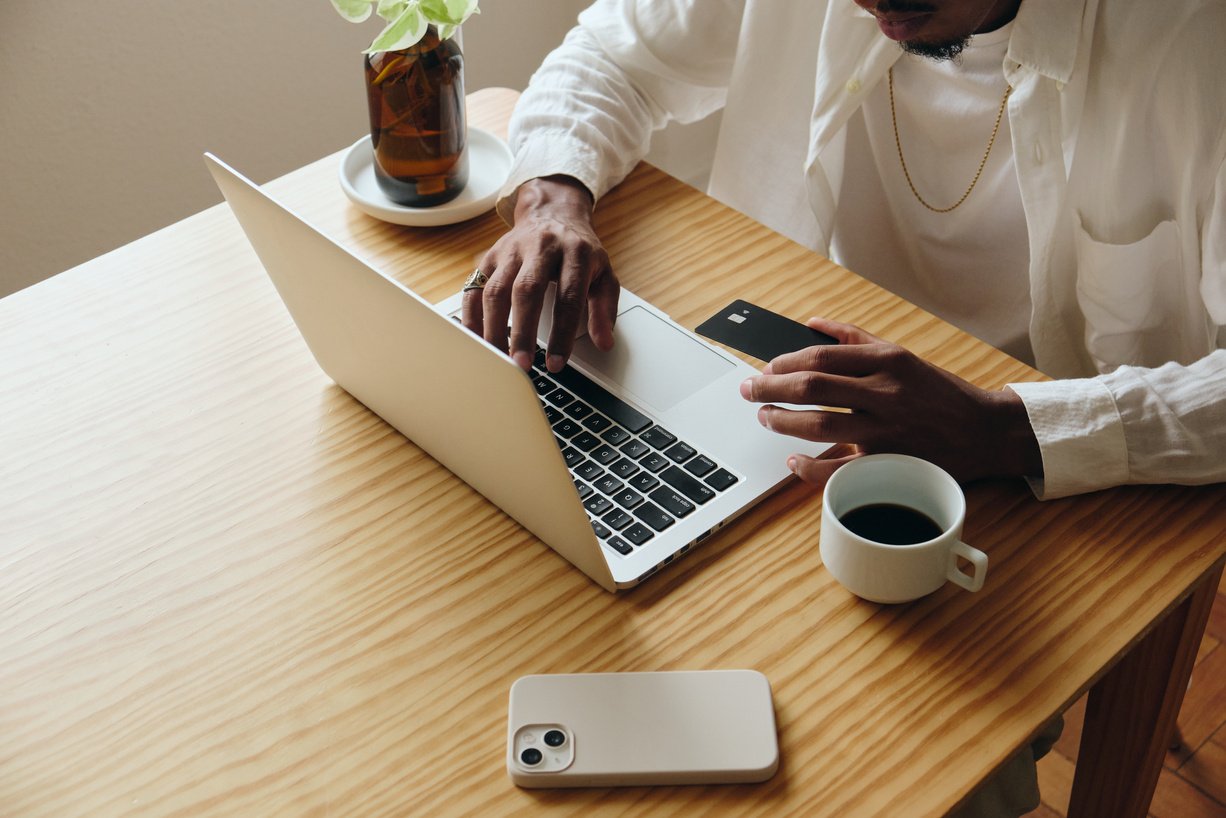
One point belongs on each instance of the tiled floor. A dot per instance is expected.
(1193, 782)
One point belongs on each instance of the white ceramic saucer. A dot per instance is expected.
(489, 162)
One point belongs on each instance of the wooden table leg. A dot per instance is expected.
(1131, 712)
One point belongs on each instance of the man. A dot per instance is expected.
(1091, 239)
(1047, 174)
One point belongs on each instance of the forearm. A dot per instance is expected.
(626, 70)
(579, 117)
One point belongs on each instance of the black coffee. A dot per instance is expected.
(890, 524)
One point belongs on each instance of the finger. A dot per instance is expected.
(843, 333)
(527, 298)
(817, 471)
(817, 425)
(496, 301)
(855, 360)
(471, 314)
(808, 388)
(602, 308)
(571, 298)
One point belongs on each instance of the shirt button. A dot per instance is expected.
(853, 86)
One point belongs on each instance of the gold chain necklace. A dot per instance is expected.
(982, 162)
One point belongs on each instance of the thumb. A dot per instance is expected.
(815, 471)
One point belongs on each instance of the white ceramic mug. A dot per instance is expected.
(897, 573)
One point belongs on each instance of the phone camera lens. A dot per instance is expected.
(531, 756)
(555, 738)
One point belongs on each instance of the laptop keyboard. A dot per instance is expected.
(635, 477)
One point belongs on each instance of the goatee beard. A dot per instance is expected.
(936, 51)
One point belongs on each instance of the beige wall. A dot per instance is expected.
(106, 107)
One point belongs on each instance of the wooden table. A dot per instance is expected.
(227, 588)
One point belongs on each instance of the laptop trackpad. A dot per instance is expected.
(653, 360)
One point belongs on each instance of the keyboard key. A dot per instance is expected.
(559, 397)
(601, 532)
(589, 470)
(552, 414)
(659, 437)
(642, 482)
(629, 498)
(597, 423)
(566, 428)
(543, 385)
(687, 485)
(609, 484)
(680, 452)
(560, 441)
(583, 488)
(585, 441)
(653, 515)
(572, 456)
(654, 462)
(672, 501)
(700, 466)
(620, 546)
(617, 519)
(604, 454)
(602, 400)
(635, 448)
(616, 435)
(721, 479)
(624, 468)
(638, 534)
(578, 410)
(597, 504)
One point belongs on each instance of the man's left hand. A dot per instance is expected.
(898, 403)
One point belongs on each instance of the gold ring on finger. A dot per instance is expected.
(475, 281)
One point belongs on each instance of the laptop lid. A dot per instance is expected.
(454, 395)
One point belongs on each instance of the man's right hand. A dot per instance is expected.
(552, 240)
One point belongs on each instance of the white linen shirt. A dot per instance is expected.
(1119, 138)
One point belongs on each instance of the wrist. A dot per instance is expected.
(558, 195)
(1020, 455)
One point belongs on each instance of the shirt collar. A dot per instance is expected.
(1046, 34)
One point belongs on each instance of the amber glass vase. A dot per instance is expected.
(417, 126)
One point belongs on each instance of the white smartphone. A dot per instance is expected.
(623, 729)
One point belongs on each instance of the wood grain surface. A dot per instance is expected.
(226, 588)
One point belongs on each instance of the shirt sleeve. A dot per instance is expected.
(627, 69)
(1133, 425)
(1137, 425)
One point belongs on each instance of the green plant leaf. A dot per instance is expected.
(355, 11)
(402, 32)
(448, 12)
(463, 9)
(391, 9)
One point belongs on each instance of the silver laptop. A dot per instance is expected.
(620, 464)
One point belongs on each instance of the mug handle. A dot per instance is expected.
(979, 566)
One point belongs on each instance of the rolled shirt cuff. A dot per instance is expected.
(1080, 434)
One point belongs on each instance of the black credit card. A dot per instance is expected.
(759, 332)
